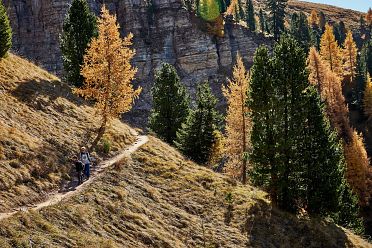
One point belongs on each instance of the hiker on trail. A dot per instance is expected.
(86, 159)
(79, 167)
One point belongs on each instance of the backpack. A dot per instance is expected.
(84, 157)
(79, 166)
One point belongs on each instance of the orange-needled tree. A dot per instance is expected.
(108, 73)
(350, 53)
(238, 124)
(330, 51)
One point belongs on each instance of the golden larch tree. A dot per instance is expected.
(357, 170)
(108, 73)
(218, 148)
(330, 51)
(367, 100)
(350, 53)
(238, 124)
(313, 18)
(329, 85)
(317, 70)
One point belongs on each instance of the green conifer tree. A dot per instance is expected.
(196, 137)
(295, 155)
(240, 10)
(322, 158)
(300, 30)
(261, 18)
(277, 15)
(290, 80)
(261, 103)
(170, 104)
(322, 21)
(5, 32)
(79, 28)
(251, 20)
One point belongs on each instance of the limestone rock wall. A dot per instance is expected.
(167, 34)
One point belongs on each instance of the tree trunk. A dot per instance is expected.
(244, 169)
(100, 134)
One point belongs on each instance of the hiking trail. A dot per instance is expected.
(57, 197)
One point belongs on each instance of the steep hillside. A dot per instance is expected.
(159, 199)
(41, 125)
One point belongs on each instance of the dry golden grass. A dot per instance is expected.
(41, 125)
(159, 199)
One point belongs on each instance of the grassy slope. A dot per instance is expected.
(159, 199)
(41, 125)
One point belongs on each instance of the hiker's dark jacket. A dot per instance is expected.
(79, 166)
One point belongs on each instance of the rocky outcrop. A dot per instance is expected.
(167, 33)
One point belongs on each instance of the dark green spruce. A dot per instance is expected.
(250, 16)
(301, 31)
(170, 104)
(276, 16)
(79, 28)
(196, 138)
(296, 156)
(5, 32)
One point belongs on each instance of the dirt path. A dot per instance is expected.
(58, 197)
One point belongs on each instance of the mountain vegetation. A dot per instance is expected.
(108, 73)
(294, 143)
(170, 104)
(79, 28)
(238, 123)
(5, 32)
(197, 134)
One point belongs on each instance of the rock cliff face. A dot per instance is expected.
(169, 33)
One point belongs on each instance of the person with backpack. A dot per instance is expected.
(79, 167)
(86, 160)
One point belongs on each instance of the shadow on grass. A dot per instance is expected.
(269, 227)
(33, 92)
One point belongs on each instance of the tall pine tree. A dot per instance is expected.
(277, 15)
(261, 19)
(261, 103)
(251, 20)
(322, 158)
(170, 104)
(5, 32)
(300, 30)
(295, 154)
(322, 21)
(196, 137)
(78, 30)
